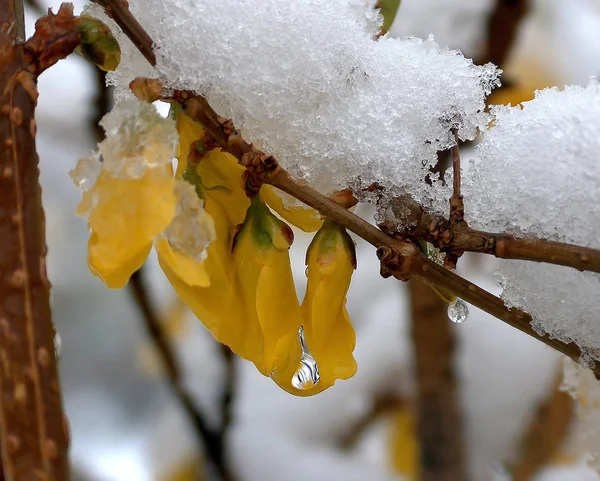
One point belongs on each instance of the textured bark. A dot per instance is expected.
(545, 434)
(439, 423)
(34, 434)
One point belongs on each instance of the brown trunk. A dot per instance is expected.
(438, 409)
(33, 427)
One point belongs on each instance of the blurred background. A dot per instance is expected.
(127, 425)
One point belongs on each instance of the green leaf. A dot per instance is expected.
(389, 9)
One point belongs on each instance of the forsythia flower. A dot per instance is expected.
(262, 267)
(328, 332)
(128, 187)
(226, 256)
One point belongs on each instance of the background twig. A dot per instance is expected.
(546, 432)
(213, 440)
(439, 423)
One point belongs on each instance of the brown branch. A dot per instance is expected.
(383, 404)
(545, 434)
(503, 26)
(403, 258)
(439, 424)
(212, 440)
(34, 435)
(119, 11)
(461, 238)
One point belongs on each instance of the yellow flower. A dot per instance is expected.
(328, 332)
(128, 190)
(262, 267)
(297, 214)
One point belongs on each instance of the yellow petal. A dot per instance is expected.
(300, 215)
(404, 448)
(222, 177)
(126, 215)
(189, 270)
(328, 332)
(189, 132)
(220, 173)
(218, 305)
(117, 275)
(262, 266)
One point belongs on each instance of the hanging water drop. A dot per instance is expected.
(307, 374)
(57, 345)
(458, 311)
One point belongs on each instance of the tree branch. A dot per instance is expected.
(461, 238)
(212, 440)
(546, 432)
(503, 26)
(34, 435)
(402, 259)
(439, 426)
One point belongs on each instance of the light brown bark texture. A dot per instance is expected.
(33, 429)
(439, 420)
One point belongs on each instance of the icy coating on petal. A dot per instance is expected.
(192, 229)
(128, 189)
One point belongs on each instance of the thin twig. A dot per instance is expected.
(503, 26)
(34, 437)
(546, 433)
(382, 405)
(439, 426)
(119, 11)
(211, 439)
(37, 7)
(404, 255)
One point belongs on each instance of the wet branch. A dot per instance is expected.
(212, 440)
(439, 423)
(400, 258)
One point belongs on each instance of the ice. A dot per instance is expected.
(539, 175)
(338, 108)
(192, 229)
(582, 385)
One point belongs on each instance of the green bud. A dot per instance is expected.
(98, 45)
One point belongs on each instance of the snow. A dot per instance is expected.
(336, 107)
(538, 175)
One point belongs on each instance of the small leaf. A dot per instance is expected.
(389, 9)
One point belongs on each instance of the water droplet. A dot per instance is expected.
(458, 311)
(307, 374)
(57, 345)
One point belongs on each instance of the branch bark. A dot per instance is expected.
(34, 435)
(546, 432)
(212, 440)
(439, 423)
(503, 27)
(402, 258)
